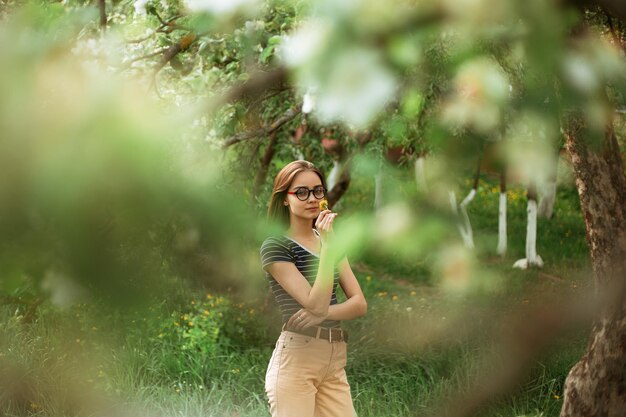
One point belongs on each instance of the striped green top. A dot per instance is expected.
(285, 249)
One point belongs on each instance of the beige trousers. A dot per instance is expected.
(306, 378)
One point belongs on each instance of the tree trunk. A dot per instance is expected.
(103, 14)
(259, 180)
(596, 385)
(340, 188)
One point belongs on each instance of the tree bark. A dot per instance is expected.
(265, 163)
(596, 385)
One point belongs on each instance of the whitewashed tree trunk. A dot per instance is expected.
(464, 225)
(532, 258)
(502, 237)
(333, 176)
(466, 220)
(546, 205)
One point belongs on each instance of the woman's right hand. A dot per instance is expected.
(324, 225)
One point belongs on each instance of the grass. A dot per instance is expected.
(85, 360)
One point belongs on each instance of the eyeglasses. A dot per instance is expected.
(303, 193)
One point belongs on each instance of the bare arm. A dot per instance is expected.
(316, 298)
(355, 305)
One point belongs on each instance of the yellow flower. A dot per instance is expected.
(394, 298)
(209, 296)
(556, 397)
(190, 323)
(206, 312)
(368, 278)
(413, 293)
(382, 293)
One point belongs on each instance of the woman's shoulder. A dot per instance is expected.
(276, 238)
(275, 249)
(276, 241)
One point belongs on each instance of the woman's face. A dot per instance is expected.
(309, 208)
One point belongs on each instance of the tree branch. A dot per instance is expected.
(257, 84)
(616, 8)
(263, 131)
(173, 50)
(265, 163)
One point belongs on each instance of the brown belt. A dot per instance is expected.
(332, 334)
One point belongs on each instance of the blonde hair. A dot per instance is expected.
(277, 211)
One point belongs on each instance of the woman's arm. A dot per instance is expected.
(355, 305)
(316, 298)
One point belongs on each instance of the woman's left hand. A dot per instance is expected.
(304, 319)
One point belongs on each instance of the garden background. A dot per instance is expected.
(138, 144)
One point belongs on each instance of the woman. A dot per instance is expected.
(306, 375)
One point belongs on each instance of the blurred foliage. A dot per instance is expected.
(114, 176)
(116, 188)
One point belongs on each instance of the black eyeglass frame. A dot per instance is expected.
(309, 191)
